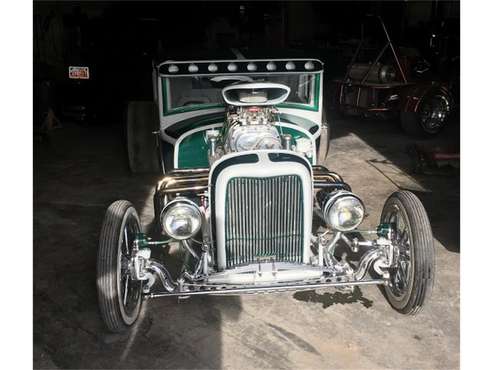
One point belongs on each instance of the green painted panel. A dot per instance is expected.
(193, 148)
(193, 151)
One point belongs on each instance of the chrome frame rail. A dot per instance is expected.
(265, 289)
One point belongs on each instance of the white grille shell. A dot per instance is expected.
(263, 168)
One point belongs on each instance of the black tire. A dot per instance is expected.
(417, 253)
(118, 310)
(142, 120)
(417, 123)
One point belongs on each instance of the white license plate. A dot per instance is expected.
(78, 73)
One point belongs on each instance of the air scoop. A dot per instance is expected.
(255, 93)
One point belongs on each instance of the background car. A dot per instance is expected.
(382, 82)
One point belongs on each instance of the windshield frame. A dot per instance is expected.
(314, 104)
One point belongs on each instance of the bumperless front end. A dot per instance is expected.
(245, 224)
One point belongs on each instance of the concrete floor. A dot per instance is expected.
(80, 171)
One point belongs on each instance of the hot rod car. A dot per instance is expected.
(241, 144)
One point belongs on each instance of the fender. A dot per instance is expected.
(413, 97)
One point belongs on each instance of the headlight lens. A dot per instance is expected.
(181, 220)
(344, 212)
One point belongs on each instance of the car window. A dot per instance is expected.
(301, 86)
(202, 90)
(186, 91)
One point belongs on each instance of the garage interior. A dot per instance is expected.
(81, 166)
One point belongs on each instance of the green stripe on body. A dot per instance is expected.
(193, 148)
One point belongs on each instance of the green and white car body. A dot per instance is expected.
(246, 199)
(189, 104)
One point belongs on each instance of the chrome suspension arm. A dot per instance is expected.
(380, 256)
(163, 275)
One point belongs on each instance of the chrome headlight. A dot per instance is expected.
(343, 211)
(181, 219)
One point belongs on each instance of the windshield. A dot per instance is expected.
(205, 91)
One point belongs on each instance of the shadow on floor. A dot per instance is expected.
(331, 298)
(386, 137)
(76, 176)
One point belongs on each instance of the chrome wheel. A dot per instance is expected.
(411, 278)
(129, 290)
(401, 274)
(119, 296)
(434, 113)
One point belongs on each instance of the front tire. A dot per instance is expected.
(119, 296)
(411, 281)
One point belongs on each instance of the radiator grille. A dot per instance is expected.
(264, 218)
